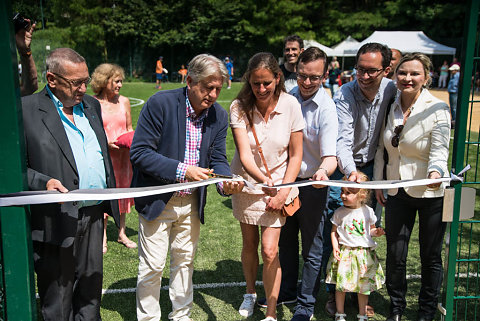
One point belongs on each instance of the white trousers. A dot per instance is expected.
(177, 228)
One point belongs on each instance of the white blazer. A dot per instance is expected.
(423, 145)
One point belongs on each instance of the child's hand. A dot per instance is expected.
(377, 231)
(336, 253)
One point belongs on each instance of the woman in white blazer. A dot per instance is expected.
(416, 137)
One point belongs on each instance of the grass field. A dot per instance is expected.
(218, 257)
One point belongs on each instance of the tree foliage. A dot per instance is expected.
(134, 32)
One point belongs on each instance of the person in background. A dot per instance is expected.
(159, 72)
(442, 81)
(180, 137)
(264, 108)
(453, 90)
(416, 137)
(23, 40)
(107, 80)
(396, 56)
(229, 65)
(293, 47)
(183, 73)
(334, 74)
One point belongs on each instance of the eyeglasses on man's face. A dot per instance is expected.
(74, 82)
(312, 78)
(371, 72)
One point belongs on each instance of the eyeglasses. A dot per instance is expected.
(372, 72)
(313, 78)
(396, 136)
(75, 82)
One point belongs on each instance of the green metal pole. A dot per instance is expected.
(20, 302)
(468, 48)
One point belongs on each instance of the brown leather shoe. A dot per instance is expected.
(330, 306)
(370, 311)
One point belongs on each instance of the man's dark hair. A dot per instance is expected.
(292, 38)
(312, 54)
(376, 47)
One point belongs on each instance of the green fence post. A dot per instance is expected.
(458, 161)
(19, 297)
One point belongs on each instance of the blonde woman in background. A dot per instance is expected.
(107, 80)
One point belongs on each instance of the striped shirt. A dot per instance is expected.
(194, 125)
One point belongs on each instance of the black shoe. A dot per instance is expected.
(330, 305)
(395, 317)
(422, 318)
(263, 301)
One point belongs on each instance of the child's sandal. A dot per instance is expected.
(340, 316)
(362, 317)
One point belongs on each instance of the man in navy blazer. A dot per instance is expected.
(180, 136)
(67, 149)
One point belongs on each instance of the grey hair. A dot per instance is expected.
(205, 65)
(60, 56)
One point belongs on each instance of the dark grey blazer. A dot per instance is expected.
(49, 155)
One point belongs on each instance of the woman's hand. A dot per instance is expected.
(111, 145)
(380, 197)
(269, 191)
(276, 203)
(433, 175)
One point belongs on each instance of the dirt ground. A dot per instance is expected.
(443, 95)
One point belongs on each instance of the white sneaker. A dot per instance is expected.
(246, 308)
(340, 316)
(269, 319)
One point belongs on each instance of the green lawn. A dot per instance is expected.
(218, 256)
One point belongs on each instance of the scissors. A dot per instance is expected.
(215, 175)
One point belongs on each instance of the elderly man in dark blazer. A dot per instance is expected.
(67, 149)
(180, 136)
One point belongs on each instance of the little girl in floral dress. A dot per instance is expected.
(354, 265)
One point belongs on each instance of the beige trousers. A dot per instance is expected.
(177, 228)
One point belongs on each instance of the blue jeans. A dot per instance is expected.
(309, 220)
(453, 97)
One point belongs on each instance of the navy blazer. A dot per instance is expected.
(49, 155)
(159, 146)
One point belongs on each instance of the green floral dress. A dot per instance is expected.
(358, 269)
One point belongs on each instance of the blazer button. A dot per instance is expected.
(75, 181)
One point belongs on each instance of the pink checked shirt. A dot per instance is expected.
(192, 145)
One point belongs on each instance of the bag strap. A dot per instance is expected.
(260, 151)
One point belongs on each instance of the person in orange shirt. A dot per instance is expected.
(159, 72)
(183, 73)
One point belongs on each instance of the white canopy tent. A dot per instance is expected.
(342, 47)
(312, 43)
(346, 44)
(406, 41)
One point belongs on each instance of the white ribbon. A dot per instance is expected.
(43, 197)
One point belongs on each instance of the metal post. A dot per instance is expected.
(458, 162)
(20, 303)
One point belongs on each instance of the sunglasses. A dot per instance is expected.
(396, 136)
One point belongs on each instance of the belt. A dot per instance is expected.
(365, 165)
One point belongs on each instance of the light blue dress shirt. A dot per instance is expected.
(359, 123)
(320, 132)
(85, 147)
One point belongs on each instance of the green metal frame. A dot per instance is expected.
(18, 300)
(462, 292)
